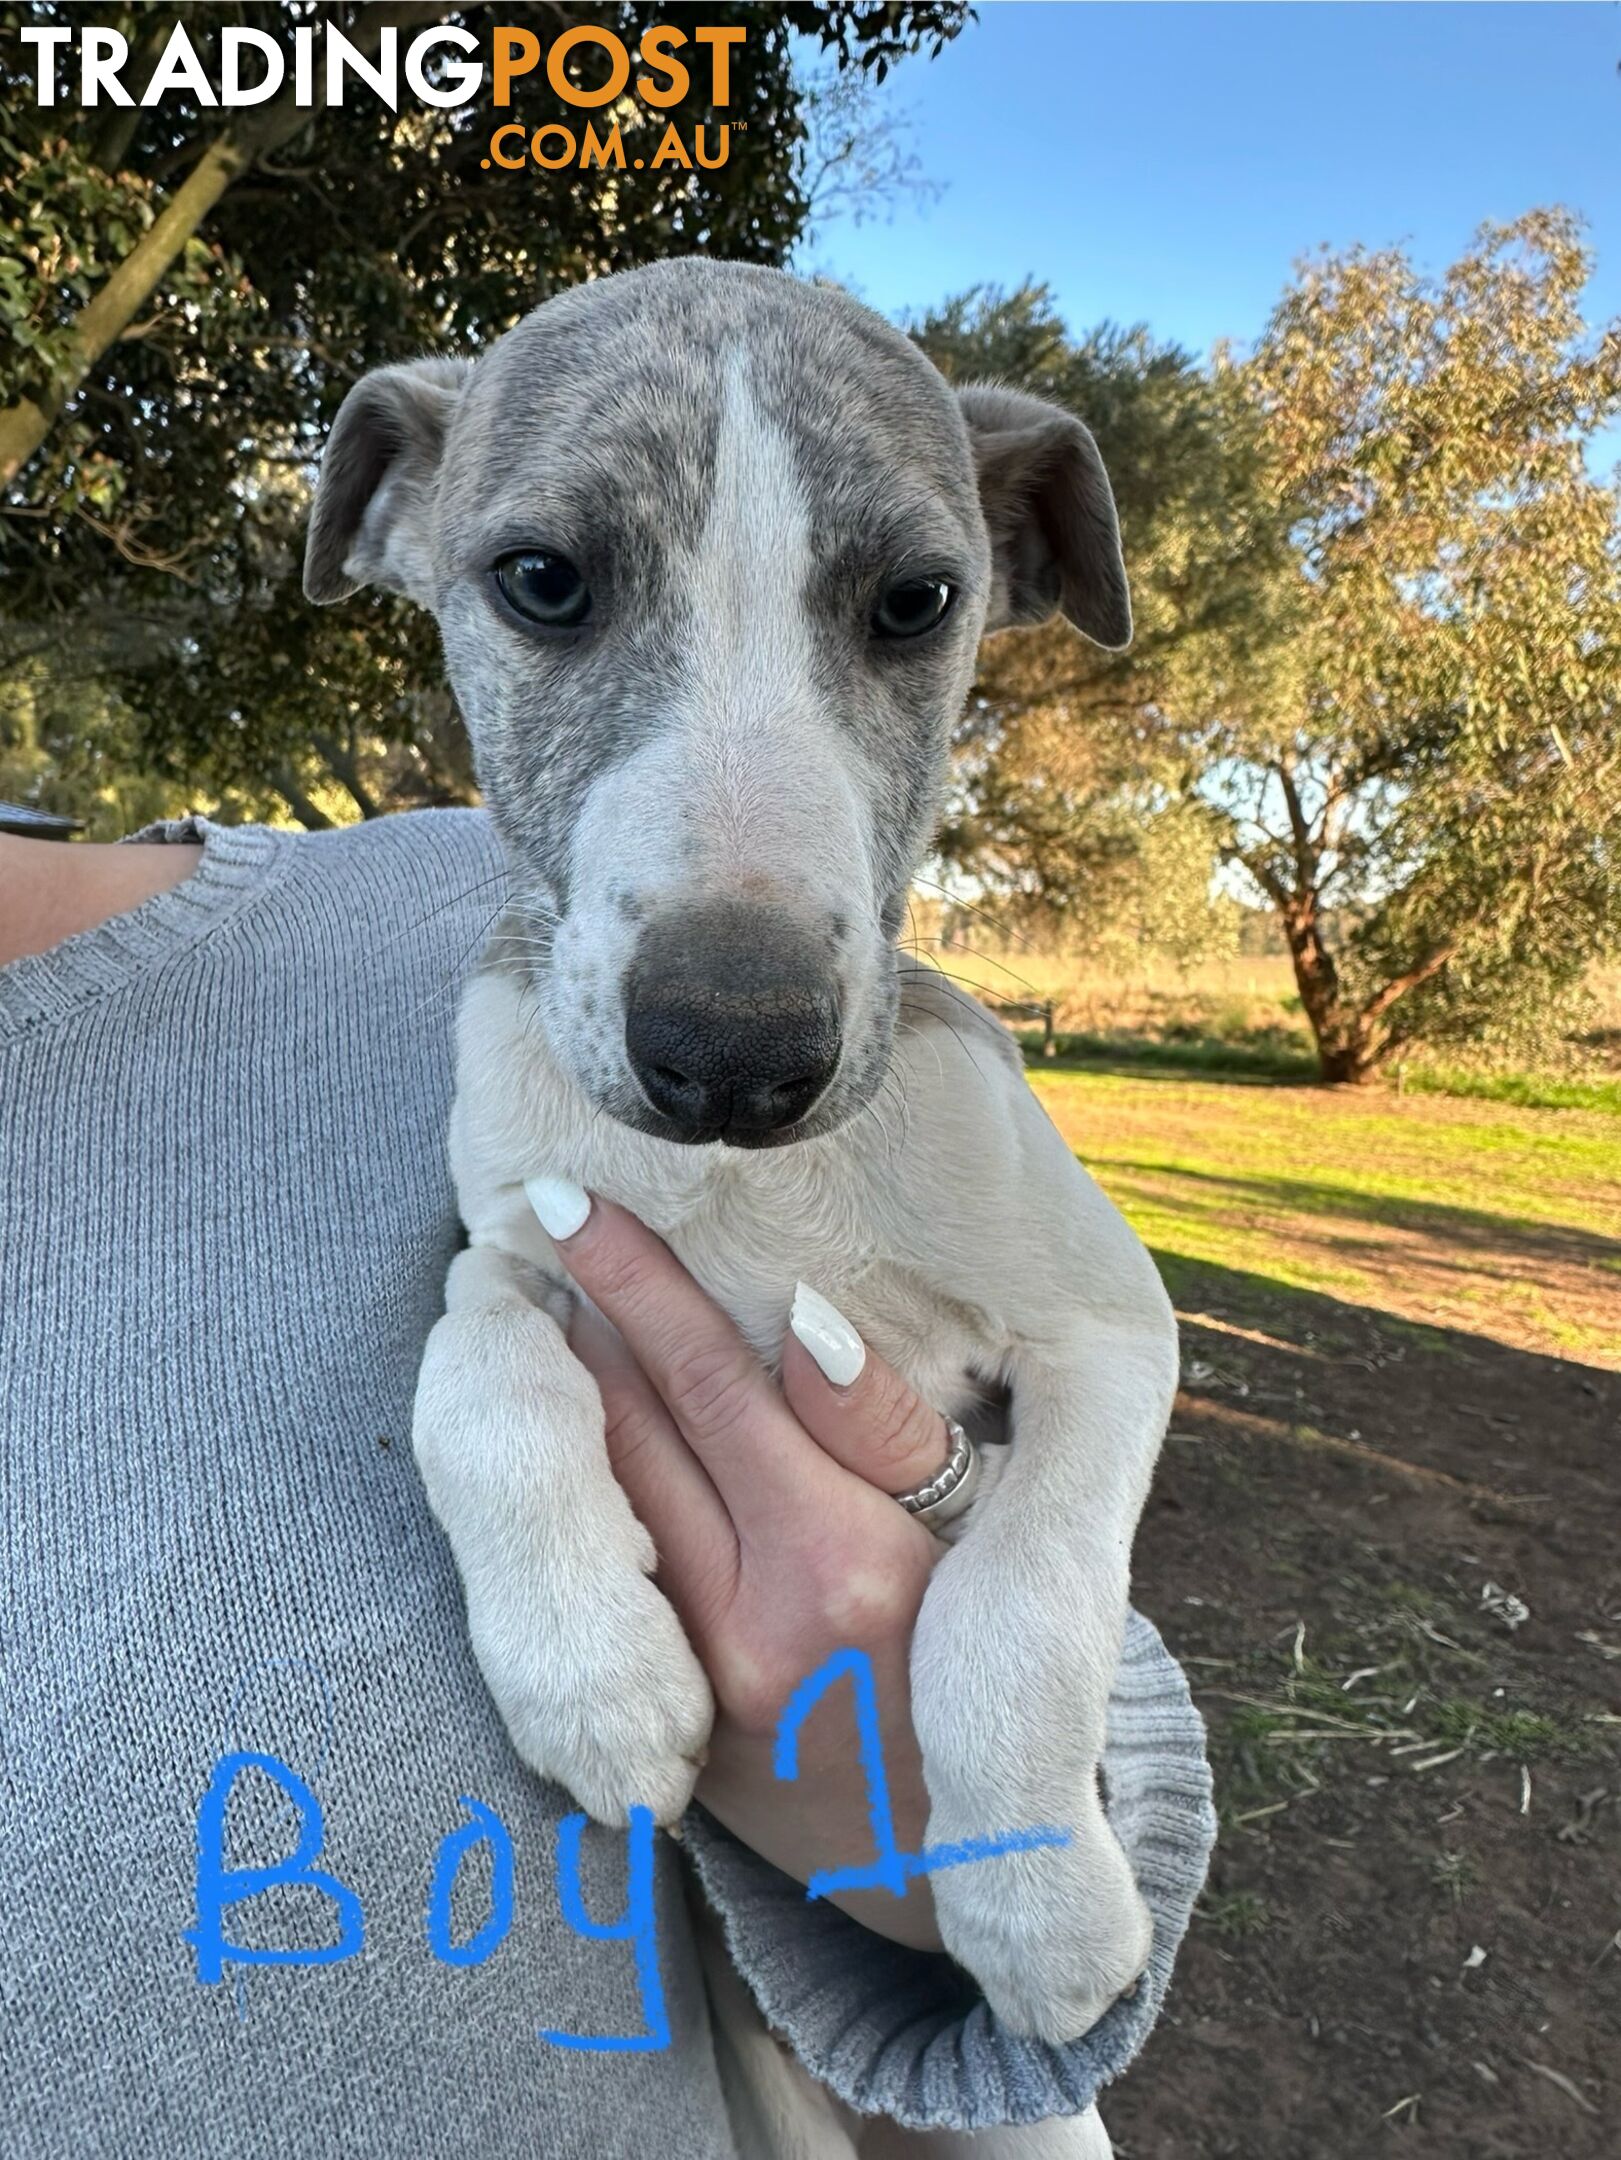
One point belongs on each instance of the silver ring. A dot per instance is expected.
(942, 1498)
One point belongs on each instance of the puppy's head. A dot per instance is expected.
(711, 551)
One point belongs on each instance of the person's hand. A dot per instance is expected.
(778, 1543)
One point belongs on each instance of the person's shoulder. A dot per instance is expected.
(427, 881)
(409, 844)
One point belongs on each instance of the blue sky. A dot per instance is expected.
(1167, 163)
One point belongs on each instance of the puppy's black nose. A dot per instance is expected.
(731, 1025)
(731, 1075)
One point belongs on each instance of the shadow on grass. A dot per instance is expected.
(1138, 1058)
(1255, 1348)
(1471, 1231)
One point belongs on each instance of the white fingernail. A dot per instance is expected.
(827, 1335)
(560, 1206)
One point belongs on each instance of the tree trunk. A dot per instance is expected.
(1342, 1049)
(344, 766)
(312, 819)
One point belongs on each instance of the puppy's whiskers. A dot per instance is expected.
(969, 907)
(449, 988)
(451, 900)
(908, 1029)
(926, 958)
(870, 1109)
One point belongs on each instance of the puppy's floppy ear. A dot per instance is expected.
(1055, 539)
(372, 501)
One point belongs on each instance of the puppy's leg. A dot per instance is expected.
(775, 2106)
(1062, 2137)
(585, 1658)
(1015, 1652)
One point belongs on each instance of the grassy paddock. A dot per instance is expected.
(1498, 1219)
(1241, 1016)
(1381, 1540)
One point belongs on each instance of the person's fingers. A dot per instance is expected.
(721, 1397)
(667, 1486)
(853, 1405)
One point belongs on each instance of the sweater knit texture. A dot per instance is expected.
(225, 1221)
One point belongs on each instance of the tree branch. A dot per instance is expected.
(105, 317)
(1262, 872)
(312, 819)
(1305, 852)
(344, 769)
(117, 131)
(1399, 985)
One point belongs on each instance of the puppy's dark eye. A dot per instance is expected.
(545, 589)
(908, 610)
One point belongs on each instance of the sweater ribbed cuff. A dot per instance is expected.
(905, 2033)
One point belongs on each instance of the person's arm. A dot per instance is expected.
(780, 1542)
(906, 2033)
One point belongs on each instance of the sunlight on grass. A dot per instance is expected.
(1496, 1218)
(1535, 1093)
(1240, 1015)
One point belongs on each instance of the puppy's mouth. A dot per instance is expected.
(737, 1111)
(731, 1108)
(722, 1133)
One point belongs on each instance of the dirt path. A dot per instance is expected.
(1413, 1928)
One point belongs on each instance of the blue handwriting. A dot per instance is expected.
(221, 1887)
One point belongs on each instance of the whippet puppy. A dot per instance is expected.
(711, 552)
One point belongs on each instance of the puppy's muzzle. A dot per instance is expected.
(732, 1024)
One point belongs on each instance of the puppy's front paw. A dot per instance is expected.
(1053, 1936)
(606, 1697)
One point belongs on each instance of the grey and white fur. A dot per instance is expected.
(713, 793)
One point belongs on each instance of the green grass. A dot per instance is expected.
(1527, 1089)
(1254, 1058)
(1235, 1913)
(1381, 1697)
(1280, 1054)
(1454, 1875)
(1473, 1215)
(1487, 1729)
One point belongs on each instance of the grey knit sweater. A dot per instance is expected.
(225, 1221)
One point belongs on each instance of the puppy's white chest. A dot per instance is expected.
(872, 1227)
(749, 1250)
(748, 1238)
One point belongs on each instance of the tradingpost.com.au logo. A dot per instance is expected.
(443, 65)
